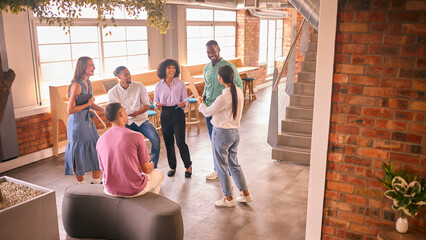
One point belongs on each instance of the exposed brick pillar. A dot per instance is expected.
(248, 43)
(378, 113)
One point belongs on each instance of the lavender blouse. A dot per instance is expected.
(170, 95)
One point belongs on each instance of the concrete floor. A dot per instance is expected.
(279, 189)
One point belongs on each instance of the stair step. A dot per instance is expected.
(297, 112)
(306, 77)
(294, 139)
(311, 56)
(296, 125)
(301, 100)
(314, 37)
(312, 46)
(304, 88)
(308, 66)
(293, 154)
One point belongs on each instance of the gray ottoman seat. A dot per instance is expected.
(87, 212)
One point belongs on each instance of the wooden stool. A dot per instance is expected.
(193, 120)
(248, 84)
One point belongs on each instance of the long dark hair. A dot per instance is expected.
(80, 70)
(161, 69)
(227, 74)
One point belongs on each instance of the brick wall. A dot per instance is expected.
(35, 132)
(248, 44)
(378, 113)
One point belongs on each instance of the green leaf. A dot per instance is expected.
(412, 189)
(391, 194)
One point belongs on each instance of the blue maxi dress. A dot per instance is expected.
(80, 153)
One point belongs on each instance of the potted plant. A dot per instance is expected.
(408, 195)
(33, 218)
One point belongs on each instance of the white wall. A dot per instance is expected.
(321, 118)
(19, 54)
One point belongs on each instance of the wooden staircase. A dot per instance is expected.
(294, 141)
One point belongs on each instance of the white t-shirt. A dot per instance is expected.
(132, 99)
(221, 109)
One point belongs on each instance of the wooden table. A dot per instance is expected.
(390, 233)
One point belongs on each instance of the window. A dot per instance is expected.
(58, 52)
(270, 43)
(207, 24)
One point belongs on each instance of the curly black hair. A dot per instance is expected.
(161, 69)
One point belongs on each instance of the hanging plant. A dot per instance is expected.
(48, 10)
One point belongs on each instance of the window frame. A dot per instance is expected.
(275, 42)
(35, 22)
(213, 24)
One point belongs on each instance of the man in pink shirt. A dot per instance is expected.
(124, 159)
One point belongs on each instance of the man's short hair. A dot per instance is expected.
(111, 111)
(212, 43)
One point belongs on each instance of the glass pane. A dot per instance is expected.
(263, 39)
(84, 34)
(114, 49)
(85, 49)
(137, 47)
(142, 15)
(193, 14)
(225, 41)
(58, 70)
(118, 13)
(271, 47)
(227, 52)
(48, 34)
(118, 34)
(279, 24)
(50, 53)
(224, 31)
(196, 42)
(98, 66)
(197, 57)
(137, 63)
(88, 13)
(112, 63)
(220, 15)
(136, 33)
(279, 40)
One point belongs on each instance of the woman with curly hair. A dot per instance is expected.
(169, 94)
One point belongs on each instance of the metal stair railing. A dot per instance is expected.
(274, 115)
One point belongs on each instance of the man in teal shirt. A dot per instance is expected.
(212, 87)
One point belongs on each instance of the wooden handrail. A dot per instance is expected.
(285, 66)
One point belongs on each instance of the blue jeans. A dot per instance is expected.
(209, 126)
(148, 130)
(225, 145)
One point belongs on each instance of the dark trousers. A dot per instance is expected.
(173, 126)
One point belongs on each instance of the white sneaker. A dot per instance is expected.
(225, 203)
(211, 176)
(244, 199)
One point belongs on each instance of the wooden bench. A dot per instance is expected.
(59, 100)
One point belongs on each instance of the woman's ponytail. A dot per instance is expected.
(227, 74)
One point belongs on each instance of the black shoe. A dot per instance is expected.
(188, 174)
(171, 172)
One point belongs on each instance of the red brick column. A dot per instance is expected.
(378, 113)
(248, 43)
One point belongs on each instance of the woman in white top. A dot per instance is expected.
(226, 117)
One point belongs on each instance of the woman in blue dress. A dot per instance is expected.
(80, 153)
